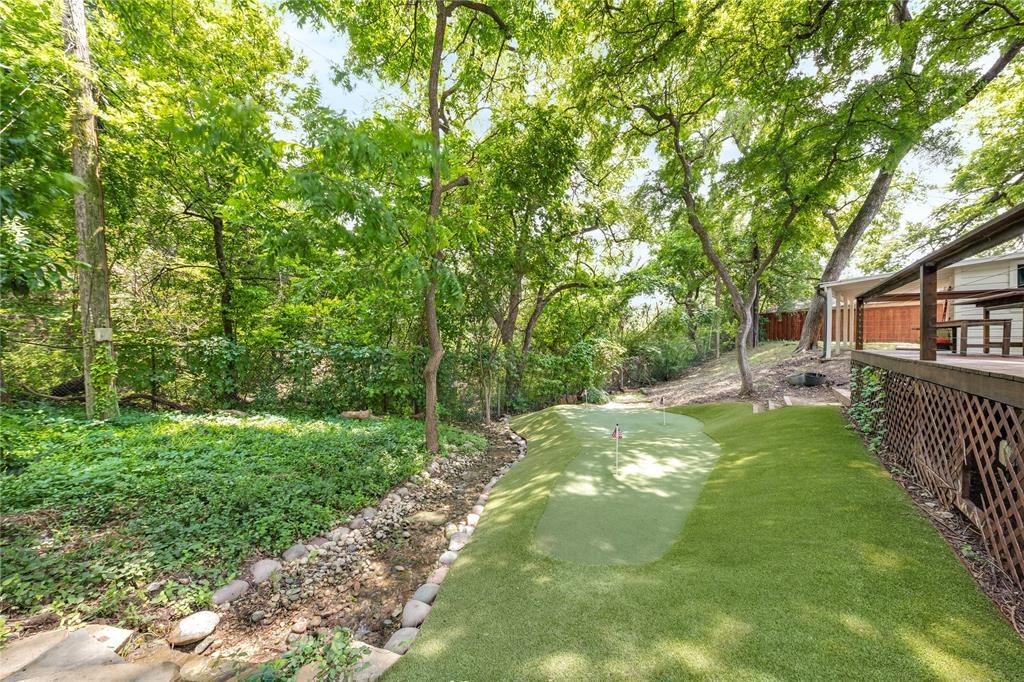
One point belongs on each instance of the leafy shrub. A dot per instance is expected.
(867, 408)
(90, 505)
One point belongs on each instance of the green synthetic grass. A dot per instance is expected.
(596, 515)
(801, 560)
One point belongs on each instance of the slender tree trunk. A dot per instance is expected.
(226, 290)
(434, 342)
(93, 274)
(743, 353)
(718, 313)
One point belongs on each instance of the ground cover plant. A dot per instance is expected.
(95, 510)
(801, 560)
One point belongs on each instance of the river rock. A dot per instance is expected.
(263, 569)
(414, 613)
(425, 594)
(199, 625)
(230, 592)
(438, 576)
(295, 552)
(448, 558)
(402, 640)
(458, 541)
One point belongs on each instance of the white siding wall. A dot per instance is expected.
(987, 276)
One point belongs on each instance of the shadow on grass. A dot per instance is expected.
(798, 561)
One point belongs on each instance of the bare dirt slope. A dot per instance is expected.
(718, 380)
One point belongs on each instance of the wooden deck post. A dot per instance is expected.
(929, 299)
(858, 343)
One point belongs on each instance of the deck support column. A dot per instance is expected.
(859, 323)
(929, 300)
(828, 324)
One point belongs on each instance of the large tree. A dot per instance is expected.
(98, 362)
(934, 59)
(448, 53)
(714, 89)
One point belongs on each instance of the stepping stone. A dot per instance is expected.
(263, 569)
(230, 592)
(402, 640)
(414, 613)
(458, 541)
(425, 594)
(39, 658)
(448, 558)
(110, 636)
(438, 576)
(373, 663)
(427, 518)
(124, 672)
(295, 552)
(194, 628)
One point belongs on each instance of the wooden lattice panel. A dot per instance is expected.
(968, 450)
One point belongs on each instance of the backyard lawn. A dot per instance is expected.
(797, 559)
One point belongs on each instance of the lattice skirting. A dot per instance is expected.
(968, 450)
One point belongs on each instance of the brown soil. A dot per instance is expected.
(367, 597)
(722, 383)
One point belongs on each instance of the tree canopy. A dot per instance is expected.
(547, 200)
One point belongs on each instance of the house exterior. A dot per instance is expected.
(895, 319)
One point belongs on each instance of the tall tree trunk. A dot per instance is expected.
(434, 342)
(93, 275)
(841, 254)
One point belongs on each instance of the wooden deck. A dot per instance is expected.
(992, 376)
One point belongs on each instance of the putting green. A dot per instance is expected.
(596, 515)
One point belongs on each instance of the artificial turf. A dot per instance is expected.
(625, 507)
(801, 560)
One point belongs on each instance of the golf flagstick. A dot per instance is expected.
(617, 435)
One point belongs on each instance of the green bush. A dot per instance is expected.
(93, 506)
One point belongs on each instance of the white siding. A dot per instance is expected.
(999, 275)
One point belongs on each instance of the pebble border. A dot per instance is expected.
(417, 609)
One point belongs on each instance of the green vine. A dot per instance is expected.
(867, 407)
(103, 373)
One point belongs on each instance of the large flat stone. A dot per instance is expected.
(194, 628)
(76, 649)
(374, 663)
(113, 638)
(428, 518)
(230, 592)
(124, 672)
(21, 652)
(402, 640)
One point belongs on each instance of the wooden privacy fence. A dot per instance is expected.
(966, 449)
(882, 324)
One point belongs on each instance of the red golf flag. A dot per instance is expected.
(617, 433)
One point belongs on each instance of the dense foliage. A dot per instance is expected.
(122, 502)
